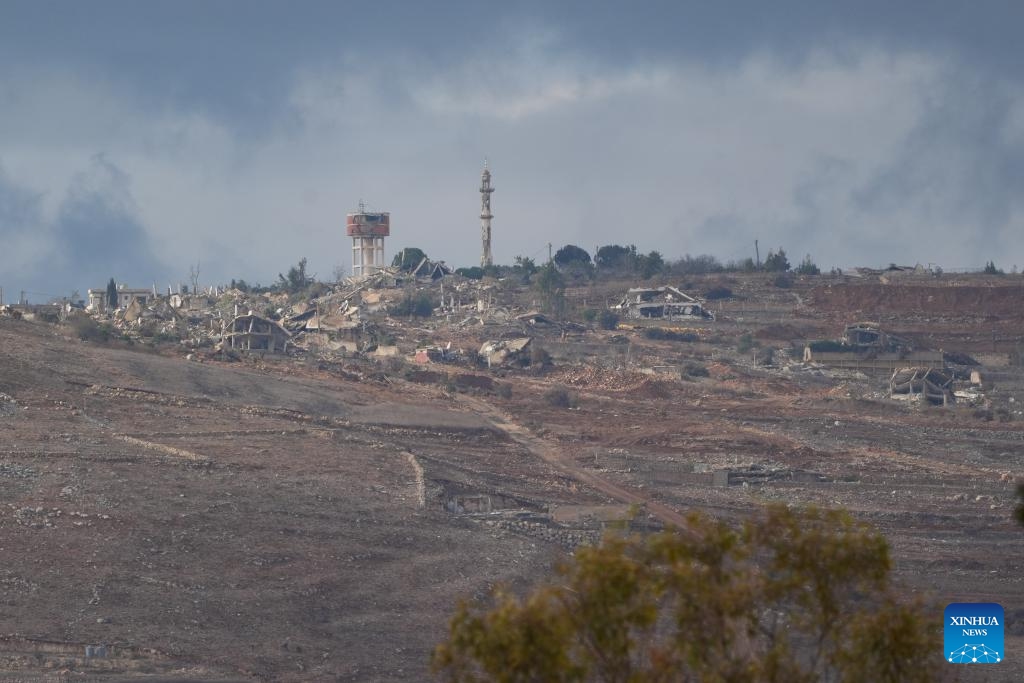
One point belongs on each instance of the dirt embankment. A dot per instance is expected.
(920, 299)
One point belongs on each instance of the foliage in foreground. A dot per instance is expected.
(791, 596)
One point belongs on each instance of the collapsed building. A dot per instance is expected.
(661, 302)
(927, 384)
(251, 332)
(867, 348)
(98, 297)
(870, 336)
(500, 352)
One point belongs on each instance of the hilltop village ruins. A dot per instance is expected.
(298, 483)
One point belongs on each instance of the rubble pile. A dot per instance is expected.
(588, 377)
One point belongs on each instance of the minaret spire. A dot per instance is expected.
(485, 216)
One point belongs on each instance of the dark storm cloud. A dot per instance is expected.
(235, 58)
(100, 233)
(96, 234)
(19, 208)
(862, 134)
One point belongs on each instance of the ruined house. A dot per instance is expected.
(666, 303)
(125, 295)
(497, 352)
(927, 384)
(435, 270)
(867, 348)
(867, 336)
(254, 333)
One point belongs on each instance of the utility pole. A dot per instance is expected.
(549, 252)
(757, 254)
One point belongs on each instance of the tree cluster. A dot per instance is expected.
(790, 596)
(620, 260)
(296, 280)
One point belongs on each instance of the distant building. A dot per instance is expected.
(667, 303)
(125, 295)
(256, 333)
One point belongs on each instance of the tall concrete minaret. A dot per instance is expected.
(486, 216)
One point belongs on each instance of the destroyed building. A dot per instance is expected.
(661, 302)
(867, 348)
(125, 295)
(435, 270)
(500, 352)
(928, 384)
(254, 333)
(866, 336)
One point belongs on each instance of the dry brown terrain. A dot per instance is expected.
(289, 520)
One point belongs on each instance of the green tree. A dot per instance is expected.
(550, 284)
(408, 258)
(473, 272)
(571, 254)
(776, 261)
(608, 320)
(414, 304)
(525, 265)
(697, 265)
(794, 596)
(615, 257)
(650, 265)
(297, 280)
(990, 269)
(112, 294)
(807, 267)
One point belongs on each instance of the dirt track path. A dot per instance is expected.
(553, 456)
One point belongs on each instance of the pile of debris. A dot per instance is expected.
(506, 351)
(590, 377)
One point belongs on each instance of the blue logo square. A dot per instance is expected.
(974, 633)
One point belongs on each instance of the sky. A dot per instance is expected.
(141, 139)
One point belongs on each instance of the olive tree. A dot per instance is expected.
(788, 596)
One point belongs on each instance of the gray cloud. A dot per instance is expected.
(100, 234)
(246, 136)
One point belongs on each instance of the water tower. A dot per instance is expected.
(367, 230)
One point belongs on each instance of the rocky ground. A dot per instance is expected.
(293, 520)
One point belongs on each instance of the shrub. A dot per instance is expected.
(745, 343)
(828, 346)
(718, 293)
(608, 320)
(539, 357)
(418, 305)
(670, 335)
(589, 314)
(808, 267)
(783, 281)
(560, 397)
(696, 370)
(88, 329)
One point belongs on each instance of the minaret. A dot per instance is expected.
(486, 216)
